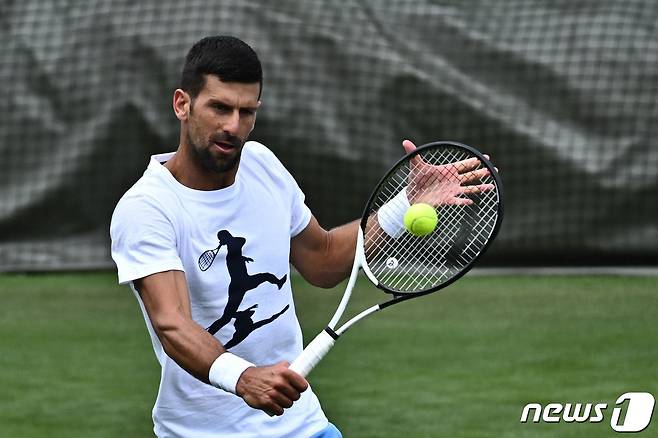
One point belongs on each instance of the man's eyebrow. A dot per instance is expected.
(217, 101)
(214, 101)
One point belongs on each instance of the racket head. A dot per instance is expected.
(466, 191)
(207, 258)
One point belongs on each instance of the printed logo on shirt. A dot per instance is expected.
(241, 283)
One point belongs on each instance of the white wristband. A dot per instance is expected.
(391, 215)
(226, 370)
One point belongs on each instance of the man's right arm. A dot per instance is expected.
(166, 300)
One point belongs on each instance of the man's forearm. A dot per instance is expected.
(325, 258)
(189, 345)
(336, 259)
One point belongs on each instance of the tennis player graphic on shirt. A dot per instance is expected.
(241, 283)
(244, 325)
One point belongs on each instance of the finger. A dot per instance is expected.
(408, 146)
(290, 391)
(292, 384)
(474, 175)
(291, 394)
(296, 381)
(417, 160)
(273, 410)
(474, 190)
(467, 164)
(281, 400)
(460, 201)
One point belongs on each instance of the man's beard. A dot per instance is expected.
(208, 161)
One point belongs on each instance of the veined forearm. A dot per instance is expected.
(339, 253)
(189, 345)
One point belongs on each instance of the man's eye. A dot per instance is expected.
(222, 108)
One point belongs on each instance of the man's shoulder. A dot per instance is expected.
(259, 151)
(259, 155)
(147, 187)
(148, 194)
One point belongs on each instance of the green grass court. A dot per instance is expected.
(76, 359)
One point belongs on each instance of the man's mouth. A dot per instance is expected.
(224, 146)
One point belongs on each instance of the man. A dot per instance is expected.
(182, 237)
(205, 238)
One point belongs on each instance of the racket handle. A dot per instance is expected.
(313, 353)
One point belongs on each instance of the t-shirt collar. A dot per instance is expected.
(157, 168)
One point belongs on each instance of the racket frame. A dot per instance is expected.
(325, 340)
(401, 295)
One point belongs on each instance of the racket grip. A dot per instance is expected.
(313, 353)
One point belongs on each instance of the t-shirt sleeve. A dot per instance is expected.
(143, 240)
(301, 214)
(299, 211)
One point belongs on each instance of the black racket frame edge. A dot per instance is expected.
(399, 296)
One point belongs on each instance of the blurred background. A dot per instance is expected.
(562, 94)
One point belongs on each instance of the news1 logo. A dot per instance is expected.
(633, 416)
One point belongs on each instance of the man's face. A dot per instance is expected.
(220, 119)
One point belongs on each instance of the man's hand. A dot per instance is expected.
(445, 184)
(271, 388)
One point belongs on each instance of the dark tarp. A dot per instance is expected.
(562, 94)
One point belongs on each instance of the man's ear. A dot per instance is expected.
(182, 104)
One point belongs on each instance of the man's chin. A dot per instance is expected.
(222, 163)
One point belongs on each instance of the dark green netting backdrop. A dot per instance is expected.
(562, 94)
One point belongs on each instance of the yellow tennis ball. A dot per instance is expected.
(420, 219)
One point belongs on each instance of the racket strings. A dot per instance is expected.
(207, 258)
(408, 263)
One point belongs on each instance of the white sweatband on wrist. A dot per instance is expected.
(391, 215)
(226, 370)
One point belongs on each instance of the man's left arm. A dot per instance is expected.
(324, 258)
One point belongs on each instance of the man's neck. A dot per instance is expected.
(190, 173)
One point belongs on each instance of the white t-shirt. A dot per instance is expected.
(233, 245)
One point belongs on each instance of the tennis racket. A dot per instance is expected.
(207, 257)
(466, 191)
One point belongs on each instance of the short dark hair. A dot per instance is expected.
(226, 57)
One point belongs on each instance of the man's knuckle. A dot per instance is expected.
(280, 383)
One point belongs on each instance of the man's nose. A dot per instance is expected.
(232, 123)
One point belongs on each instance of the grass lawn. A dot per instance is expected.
(76, 359)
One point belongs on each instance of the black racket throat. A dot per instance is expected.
(331, 332)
